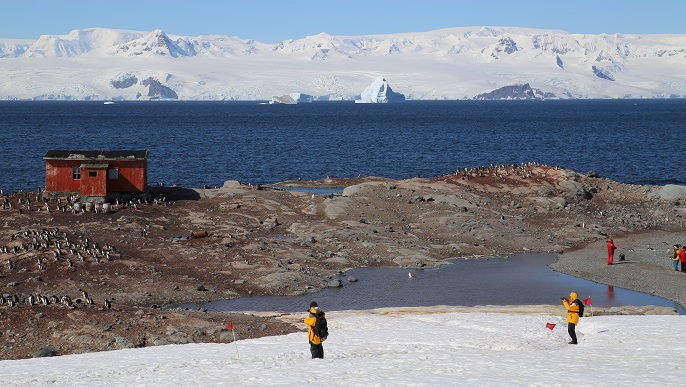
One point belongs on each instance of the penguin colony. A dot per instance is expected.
(523, 170)
(11, 300)
(36, 201)
(34, 250)
(51, 249)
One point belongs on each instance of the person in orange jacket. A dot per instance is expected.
(316, 347)
(572, 306)
(610, 251)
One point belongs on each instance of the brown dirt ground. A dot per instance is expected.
(268, 241)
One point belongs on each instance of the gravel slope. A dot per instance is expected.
(648, 267)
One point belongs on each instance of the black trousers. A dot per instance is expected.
(571, 328)
(317, 351)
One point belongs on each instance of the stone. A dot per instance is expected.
(46, 351)
(334, 284)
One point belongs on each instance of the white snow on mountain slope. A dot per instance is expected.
(14, 47)
(79, 42)
(381, 348)
(454, 63)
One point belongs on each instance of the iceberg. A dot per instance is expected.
(379, 92)
(293, 98)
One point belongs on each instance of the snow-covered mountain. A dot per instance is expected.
(455, 63)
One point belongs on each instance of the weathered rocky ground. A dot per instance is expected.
(251, 240)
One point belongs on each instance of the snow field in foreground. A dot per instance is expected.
(397, 349)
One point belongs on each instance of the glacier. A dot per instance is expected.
(448, 64)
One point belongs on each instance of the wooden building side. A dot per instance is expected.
(96, 175)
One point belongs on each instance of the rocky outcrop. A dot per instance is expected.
(670, 192)
(156, 90)
(521, 91)
(602, 73)
(156, 43)
(124, 82)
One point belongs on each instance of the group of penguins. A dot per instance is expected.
(33, 300)
(36, 201)
(500, 170)
(52, 246)
(30, 201)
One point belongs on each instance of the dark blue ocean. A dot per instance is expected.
(197, 143)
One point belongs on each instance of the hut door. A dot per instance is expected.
(94, 182)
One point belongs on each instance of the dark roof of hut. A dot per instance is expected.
(96, 154)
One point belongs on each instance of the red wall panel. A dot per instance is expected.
(132, 177)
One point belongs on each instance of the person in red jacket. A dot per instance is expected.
(682, 258)
(610, 251)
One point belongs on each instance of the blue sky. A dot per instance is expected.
(272, 21)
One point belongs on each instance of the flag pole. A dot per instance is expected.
(235, 342)
(592, 316)
(229, 327)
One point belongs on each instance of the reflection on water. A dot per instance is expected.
(518, 279)
(610, 292)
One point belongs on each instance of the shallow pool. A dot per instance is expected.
(315, 190)
(517, 279)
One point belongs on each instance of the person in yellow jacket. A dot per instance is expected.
(316, 347)
(572, 306)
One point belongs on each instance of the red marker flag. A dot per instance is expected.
(230, 326)
(587, 301)
(550, 326)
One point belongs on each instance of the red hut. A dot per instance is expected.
(96, 175)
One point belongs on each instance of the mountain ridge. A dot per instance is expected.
(451, 63)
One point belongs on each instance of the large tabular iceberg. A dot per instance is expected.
(379, 92)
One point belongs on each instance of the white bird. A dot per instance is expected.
(409, 275)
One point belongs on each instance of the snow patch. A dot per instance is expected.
(395, 347)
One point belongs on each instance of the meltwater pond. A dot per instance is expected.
(517, 279)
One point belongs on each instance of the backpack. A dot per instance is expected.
(320, 326)
(581, 307)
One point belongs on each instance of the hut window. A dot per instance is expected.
(113, 174)
(76, 173)
(92, 173)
